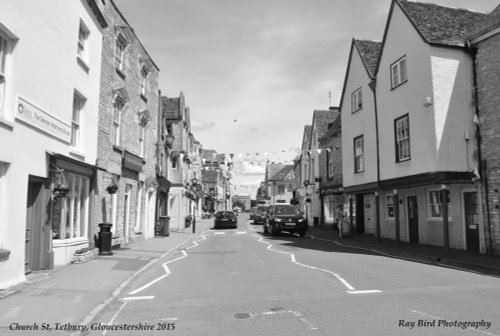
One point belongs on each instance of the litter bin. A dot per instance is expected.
(188, 221)
(105, 237)
(165, 222)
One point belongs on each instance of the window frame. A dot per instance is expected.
(359, 165)
(121, 45)
(5, 51)
(438, 204)
(117, 119)
(329, 163)
(142, 139)
(400, 71)
(82, 50)
(357, 100)
(388, 206)
(144, 74)
(76, 125)
(403, 141)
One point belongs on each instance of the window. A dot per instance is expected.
(359, 165)
(281, 190)
(121, 45)
(144, 80)
(71, 214)
(402, 135)
(82, 46)
(142, 132)
(4, 52)
(356, 101)
(329, 162)
(118, 107)
(389, 206)
(436, 204)
(78, 105)
(398, 72)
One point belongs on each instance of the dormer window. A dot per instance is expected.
(398, 72)
(356, 100)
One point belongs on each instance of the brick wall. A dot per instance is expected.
(488, 77)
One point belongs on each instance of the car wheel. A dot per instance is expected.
(274, 232)
(302, 233)
(264, 227)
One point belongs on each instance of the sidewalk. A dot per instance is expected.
(68, 294)
(467, 260)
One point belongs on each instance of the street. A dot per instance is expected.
(240, 282)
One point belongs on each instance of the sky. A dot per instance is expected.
(252, 72)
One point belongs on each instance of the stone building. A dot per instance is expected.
(485, 43)
(128, 133)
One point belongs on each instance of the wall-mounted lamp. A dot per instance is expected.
(113, 186)
(169, 140)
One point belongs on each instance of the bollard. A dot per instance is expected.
(165, 220)
(105, 237)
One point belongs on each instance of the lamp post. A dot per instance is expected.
(307, 200)
(194, 188)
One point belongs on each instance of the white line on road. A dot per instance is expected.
(137, 298)
(115, 316)
(241, 232)
(440, 318)
(165, 267)
(351, 289)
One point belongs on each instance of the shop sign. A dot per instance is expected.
(132, 162)
(40, 119)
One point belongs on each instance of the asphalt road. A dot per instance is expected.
(240, 282)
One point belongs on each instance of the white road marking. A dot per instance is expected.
(293, 312)
(241, 232)
(165, 267)
(351, 289)
(440, 318)
(368, 291)
(115, 316)
(137, 298)
(219, 233)
(167, 319)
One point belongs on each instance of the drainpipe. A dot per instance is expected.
(372, 86)
(481, 163)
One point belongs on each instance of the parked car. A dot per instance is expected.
(285, 217)
(225, 219)
(259, 216)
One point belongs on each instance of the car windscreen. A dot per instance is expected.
(224, 214)
(286, 210)
(262, 209)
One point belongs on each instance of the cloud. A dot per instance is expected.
(200, 126)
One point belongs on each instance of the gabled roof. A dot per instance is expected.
(272, 169)
(210, 155)
(369, 51)
(490, 22)
(306, 137)
(282, 174)
(321, 119)
(441, 25)
(334, 130)
(436, 24)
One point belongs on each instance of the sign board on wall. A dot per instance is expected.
(34, 116)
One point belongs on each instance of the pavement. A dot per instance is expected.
(453, 258)
(89, 287)
(76, 293)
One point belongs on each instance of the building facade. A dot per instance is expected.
(128, 134)
(485, 43)
(50, 113)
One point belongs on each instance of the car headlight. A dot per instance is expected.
(277, 220)
(301, 219)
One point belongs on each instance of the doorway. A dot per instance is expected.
(37, 235)
(126, 215)
(412, 206)
(471, 221)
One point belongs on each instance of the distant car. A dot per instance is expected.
(225, 219)
(285, 217)
(252, 212)
(260, 215)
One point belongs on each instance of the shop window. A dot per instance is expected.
(435, 203)
(71, 213)
(389, 206)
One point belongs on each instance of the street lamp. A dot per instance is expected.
(194, 188)
(307, 200)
